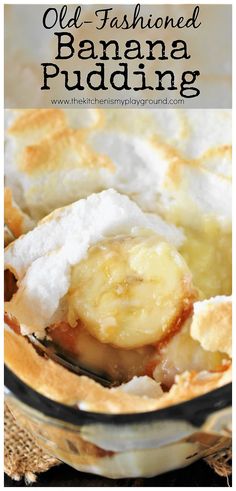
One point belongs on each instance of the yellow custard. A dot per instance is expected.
(208, 253)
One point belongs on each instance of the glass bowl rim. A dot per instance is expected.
(195, 411)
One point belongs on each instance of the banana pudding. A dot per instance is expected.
(105, 282)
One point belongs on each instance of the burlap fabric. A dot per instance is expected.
(23, 458)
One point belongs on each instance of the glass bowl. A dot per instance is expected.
(123, 445)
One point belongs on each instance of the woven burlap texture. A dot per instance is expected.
(23, 458)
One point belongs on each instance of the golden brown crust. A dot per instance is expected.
(57, 383)
(178, 162)
(218, 151)
(44, 134)
(49, 153)
(212, 327)
(17, 222)
(37, 119)
(12, 215)
(190, 384)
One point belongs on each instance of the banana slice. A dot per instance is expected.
(183, 353)
(130, 291)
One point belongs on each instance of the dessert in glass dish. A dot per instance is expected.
(118, 307)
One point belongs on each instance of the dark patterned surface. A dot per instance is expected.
(198, 474)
